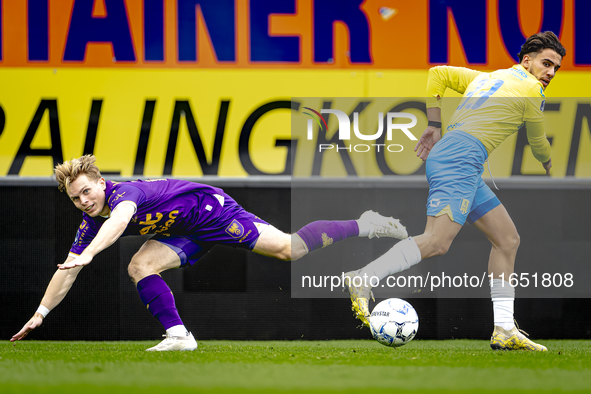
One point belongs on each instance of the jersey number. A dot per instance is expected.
(485, 94)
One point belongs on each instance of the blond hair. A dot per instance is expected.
(68, 171)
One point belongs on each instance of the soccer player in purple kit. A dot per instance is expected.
(188, 219)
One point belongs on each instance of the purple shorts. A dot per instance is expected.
(229, 224)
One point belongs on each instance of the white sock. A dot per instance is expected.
(503, 297)
(178, 331)
(400, 257)
(364, 227)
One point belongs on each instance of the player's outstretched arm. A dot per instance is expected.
(57, 289)
(110, 232)
(431, 135)
(539, 144)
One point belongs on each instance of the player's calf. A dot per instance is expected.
(322, 233)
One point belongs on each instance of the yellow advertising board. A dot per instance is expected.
(239, 122)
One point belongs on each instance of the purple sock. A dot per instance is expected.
(158, 298)
(324, 232)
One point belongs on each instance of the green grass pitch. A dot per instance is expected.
(291, 366)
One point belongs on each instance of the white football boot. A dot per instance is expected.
(381, 226)
(171, 343)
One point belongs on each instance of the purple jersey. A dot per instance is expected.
(170, 208)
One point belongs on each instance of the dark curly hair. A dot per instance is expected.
(538, 42)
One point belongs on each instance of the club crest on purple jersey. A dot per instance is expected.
(235, 229)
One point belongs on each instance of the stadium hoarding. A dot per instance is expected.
(285, 33)
(155, 122)
(191, 88)
(233, 123)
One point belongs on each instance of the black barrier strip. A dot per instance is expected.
(280, 181)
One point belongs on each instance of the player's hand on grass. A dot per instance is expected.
(547, 165)
(32, 324)
(79, 261)
(427, 141)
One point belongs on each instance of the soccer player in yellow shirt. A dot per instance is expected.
(494, 106)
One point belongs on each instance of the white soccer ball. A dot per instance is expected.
(394, 322)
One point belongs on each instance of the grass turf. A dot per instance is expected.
(298, 366)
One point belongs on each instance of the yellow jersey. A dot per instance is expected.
(494, 105)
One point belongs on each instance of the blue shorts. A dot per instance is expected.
(229, 224)
(454, 171)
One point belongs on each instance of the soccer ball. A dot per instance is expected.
(394, 322)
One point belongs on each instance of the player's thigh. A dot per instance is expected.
(274, 243)
(152, 258)
(499, 228)
(454, 169)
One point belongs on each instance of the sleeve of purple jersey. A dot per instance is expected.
(86, 233)
(125, 192)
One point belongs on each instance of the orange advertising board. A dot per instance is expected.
(379, 34)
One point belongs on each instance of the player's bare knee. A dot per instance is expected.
(510, 243)
(442, 248)
(135, 269)
(283, 247)
(437, 248)
(516, 240)
(133, 272)
(284, 254)
(274, 243)
(433, 246)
